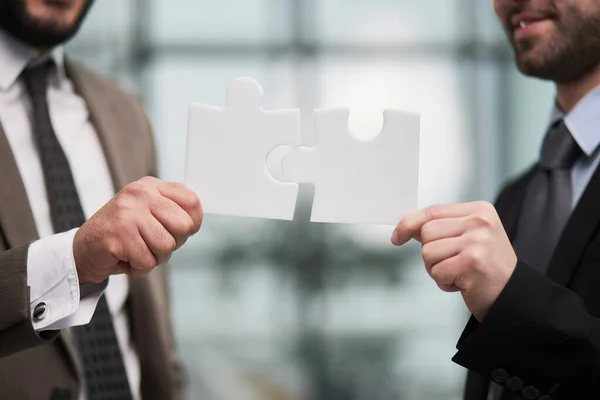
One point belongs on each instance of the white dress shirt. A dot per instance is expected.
(51, 272)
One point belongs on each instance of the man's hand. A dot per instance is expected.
(465, 248)
(136, 230)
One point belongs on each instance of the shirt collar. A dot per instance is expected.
(16, 55)
(583, 121)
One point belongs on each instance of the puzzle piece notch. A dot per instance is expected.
(227, 152)
(358, 181)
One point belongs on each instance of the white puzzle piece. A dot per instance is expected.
(369, 182)
(227, 150)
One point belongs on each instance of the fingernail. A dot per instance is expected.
(395, 238)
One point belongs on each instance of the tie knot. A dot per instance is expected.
(36, 77)
(559, 150)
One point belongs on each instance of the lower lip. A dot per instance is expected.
(59, 3)
(529, 29)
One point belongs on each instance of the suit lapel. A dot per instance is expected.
(104, 115)
(577, 233)
(16, 218)
(510, 203)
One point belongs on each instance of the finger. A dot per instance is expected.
(138, 253)
(447, 273)
(440, 250)
(125, 268)
(137, 273)
(410, 226)
(185, 198)
(173, 218)
(443, 228)
(448, 288)
(158, 239)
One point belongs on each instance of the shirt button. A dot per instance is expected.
(39, 312)
(531, 393)
(514, 384)
(499, 375)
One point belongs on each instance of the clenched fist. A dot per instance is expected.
(465, 248)
(136, 230)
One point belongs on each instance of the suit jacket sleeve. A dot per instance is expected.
(537, 334)
(16, 330)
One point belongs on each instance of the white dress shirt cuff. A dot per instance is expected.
(57, 300)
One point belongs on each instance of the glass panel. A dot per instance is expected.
(530, 107)
(105, 39)
(213, 22)
(387, 21)
(490, 28)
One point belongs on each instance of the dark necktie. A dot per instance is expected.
(97, 342)
(548, 199)
(546, 208)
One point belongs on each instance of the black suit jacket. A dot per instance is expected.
(542, 335)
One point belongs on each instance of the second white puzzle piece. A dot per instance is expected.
(356, 181)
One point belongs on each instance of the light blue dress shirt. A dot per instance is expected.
(583, 121)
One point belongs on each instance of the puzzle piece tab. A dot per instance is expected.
(227, 150)
(371, 182)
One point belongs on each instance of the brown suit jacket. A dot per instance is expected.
(34, 367)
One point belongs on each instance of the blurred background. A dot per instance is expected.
(292, 310)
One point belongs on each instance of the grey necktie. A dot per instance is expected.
(548, 200)
(97, 342)
(546, 209)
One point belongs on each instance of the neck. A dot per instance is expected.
(569, 94)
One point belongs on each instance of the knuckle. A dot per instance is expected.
(188, 226)
(135, 189)
(194, 202)
(437, 274)
(478, 238)
(482, 221)
(148, 262)
(121, 201)
(433, 211)
(113, 247)
(183, 225)
(427, 251)
(191, 201)
(472, 256)
(463, 283)
(170, 244)
(445, 287)
(148, 180)
(427, 232)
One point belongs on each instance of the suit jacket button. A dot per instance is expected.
(514, 384)
(499, 375)
(39, 311)
(531, 393)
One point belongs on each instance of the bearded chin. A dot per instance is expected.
(560, 63)
(15, 20)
